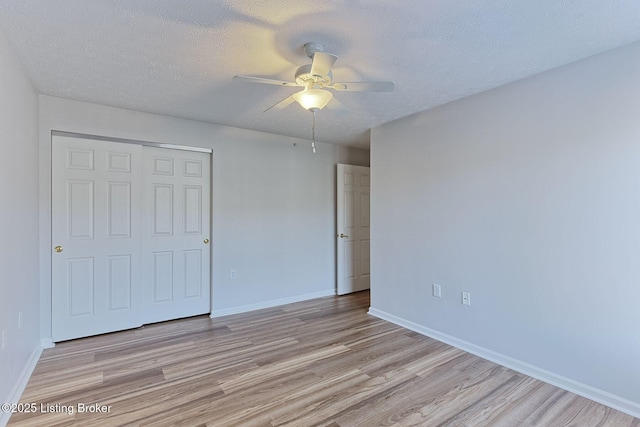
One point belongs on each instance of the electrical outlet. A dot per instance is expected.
(4, 338)
(437, 290)
(20, 321)
(466, 298)
(232, 275)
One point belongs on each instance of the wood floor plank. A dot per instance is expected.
(322, 362)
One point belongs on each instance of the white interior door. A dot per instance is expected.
(176, 249)
(353, 234)
(96, 234)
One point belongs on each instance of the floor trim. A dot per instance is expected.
(584, 390)
(47, 343)
(18, 388)
(271, 303)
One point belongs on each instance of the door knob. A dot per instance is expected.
(342, 236)
(206, 241)
(58, 249)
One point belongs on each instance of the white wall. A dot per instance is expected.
(527, 196)
(273, 202)
(18, 225)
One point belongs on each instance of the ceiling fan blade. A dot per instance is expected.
(322, 63)
(337, 107)
(364, 86)
(253, 79)
(282, 104)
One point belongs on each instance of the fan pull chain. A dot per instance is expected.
(313, 132)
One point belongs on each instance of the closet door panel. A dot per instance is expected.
(176, 189)
(96, 249)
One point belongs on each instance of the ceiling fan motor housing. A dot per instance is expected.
(306, 79)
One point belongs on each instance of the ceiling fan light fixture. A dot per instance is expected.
(313, 99)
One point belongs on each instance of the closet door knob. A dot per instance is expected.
(58, 249)
(206, 241)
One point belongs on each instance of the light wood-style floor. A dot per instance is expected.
(323, 362)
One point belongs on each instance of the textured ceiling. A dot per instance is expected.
(178, 57)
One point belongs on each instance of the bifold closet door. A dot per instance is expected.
(130, 235)
(176, 248)
(96, 237)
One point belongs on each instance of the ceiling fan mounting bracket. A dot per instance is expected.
(313, 47)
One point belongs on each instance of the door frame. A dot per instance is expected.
(46, 212)
(130, 141)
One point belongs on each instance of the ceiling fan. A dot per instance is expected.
(315, 79)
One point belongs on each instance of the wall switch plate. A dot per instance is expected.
(232, 275)
(437, 290)
(466, 298)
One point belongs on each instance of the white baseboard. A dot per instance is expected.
(18, 388)
(47, 343)
(270, 303)
(597, 395)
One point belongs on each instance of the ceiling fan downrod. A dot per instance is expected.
(313, 130)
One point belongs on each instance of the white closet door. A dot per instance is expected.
(96, 237)
(130, 236)
(176, 248)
